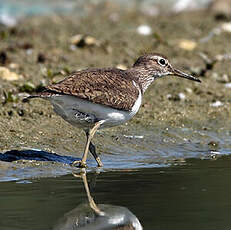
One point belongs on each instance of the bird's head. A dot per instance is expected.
(157, 65)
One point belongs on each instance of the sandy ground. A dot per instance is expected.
(40, 50)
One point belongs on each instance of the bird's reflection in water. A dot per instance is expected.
(97, 217)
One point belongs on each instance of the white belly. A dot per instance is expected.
(68, 107)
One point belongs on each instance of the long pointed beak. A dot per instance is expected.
(185, 75)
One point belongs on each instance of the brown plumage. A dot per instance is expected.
(111, 87)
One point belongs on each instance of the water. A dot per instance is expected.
(141, 147)
(12, 10)
(194, 195)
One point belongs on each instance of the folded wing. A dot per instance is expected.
(110, 87)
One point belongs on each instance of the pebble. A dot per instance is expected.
(225, 78)
(3, 57)
(216, 104)
(215, 75)
(222, 8)
(6, 19)
(188, 90)
(81, 40)
(213, 144)
(144, 30)
(41, 58)
(29, 51)
(226, 27)
(21, 112)
(183, 5)
(228, 85)
(6, 74)
(169, 96)
(135, 136)
(114, 17)
(121, 66)
(188, 45)
(179, 97)
(182, 96)
(14, 65)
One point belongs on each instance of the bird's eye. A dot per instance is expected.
(162, 62)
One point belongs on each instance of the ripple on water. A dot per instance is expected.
(138, 148)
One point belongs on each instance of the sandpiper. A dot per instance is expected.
(94, 98)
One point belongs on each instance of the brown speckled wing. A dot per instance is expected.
(110, 87)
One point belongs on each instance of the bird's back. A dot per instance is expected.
(109, 86)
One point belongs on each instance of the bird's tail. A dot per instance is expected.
(43, 94)
(26, 99)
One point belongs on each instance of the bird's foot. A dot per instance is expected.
(79, 164)
(99, 162)
(82, 164)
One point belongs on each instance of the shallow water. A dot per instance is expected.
(161, 178)
(189, 196)
(138, 147)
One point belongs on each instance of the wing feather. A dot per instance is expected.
(110, 87)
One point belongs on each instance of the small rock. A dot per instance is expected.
(216, 104)
(3, 58)
(29, 51)
(81, 40)
(182, 96)
(121, 66)
(196, 70)
(222, 8)
(173, 97)
(188, 90)
(225, 78)
(169, 96)
(114, 17)
(21, 112)
(13, 65)
(188, 45)
(135, 136)
(226, 27)
(10, 113)
(213, 144)
(228, 85)
(7, 19)
(90, 41)
(6, 74)
(144, 30)
(183, 5)
(26, 46)
(150, 10)
(215, 75)
(223, 57)
(41, 58)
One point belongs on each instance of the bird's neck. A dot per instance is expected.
(143, 77)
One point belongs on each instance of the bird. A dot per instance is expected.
(98, 98)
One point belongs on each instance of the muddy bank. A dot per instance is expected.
(40, 50)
